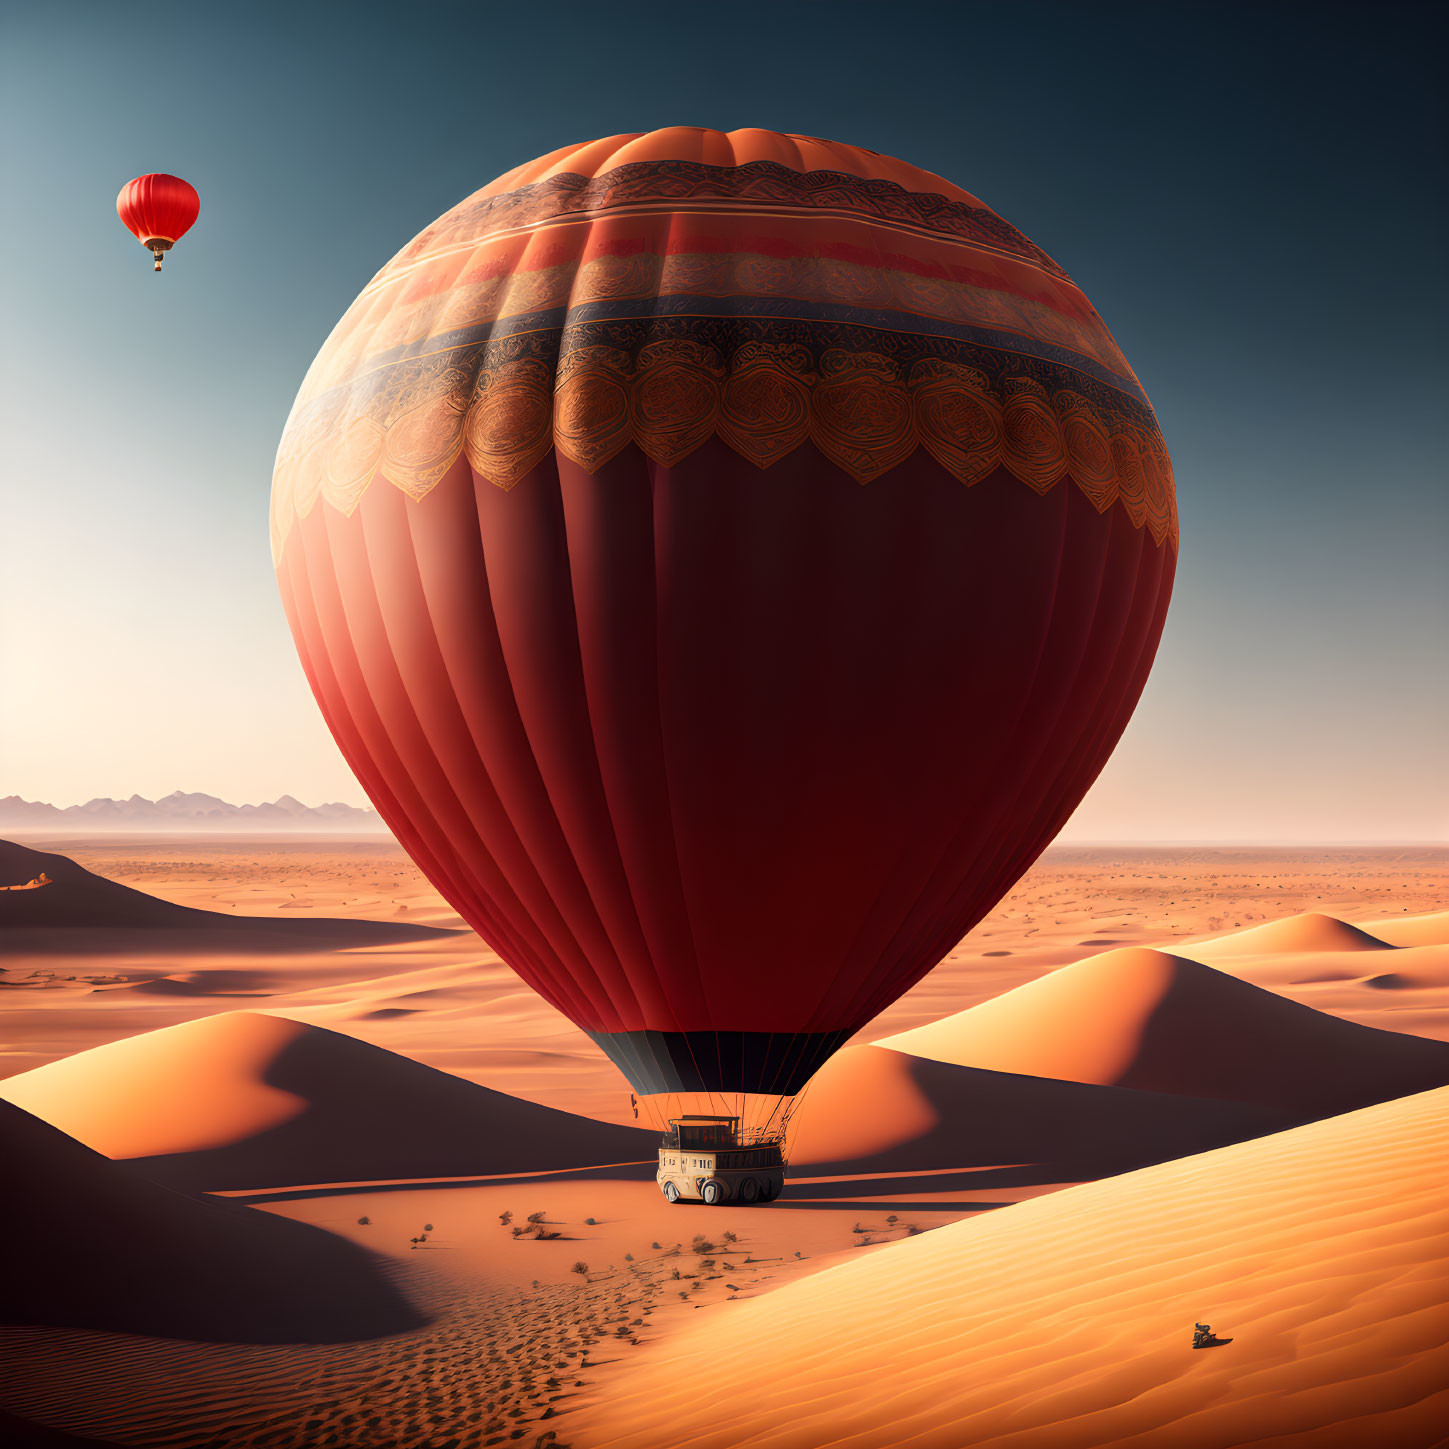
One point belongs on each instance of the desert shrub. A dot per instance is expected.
(911, 1230)
(700, 1244)
(519, 1232)
(729, 1237)
(628, 1257)
(676, 1274)
(590, 1222)
(364, 1222)
(427, 1227)
(536, 1218)
(581, 1268)
(655, 1246)
(544, 1236)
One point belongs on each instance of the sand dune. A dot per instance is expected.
(78, 912)
(1322, 1253)
(1071, 896)
(92, 1244)
(874, 1110)
(1308, 933)
(243, 1100)
(1427, 930)
(18, 1433)
(1160, 1023)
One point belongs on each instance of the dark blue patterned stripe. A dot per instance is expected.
(869, 329)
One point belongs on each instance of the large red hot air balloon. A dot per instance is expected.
(725, 560)
(158, 210)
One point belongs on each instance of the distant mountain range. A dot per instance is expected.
(183, 811)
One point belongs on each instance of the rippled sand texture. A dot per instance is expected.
(1322, 1253)
(503, 1360)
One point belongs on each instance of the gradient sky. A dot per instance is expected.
(1253, 197)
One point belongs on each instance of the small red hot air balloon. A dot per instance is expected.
(158, 210)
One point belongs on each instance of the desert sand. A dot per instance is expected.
(1135, 1017)
(402, 1097)
(1321, 1254)
(54, 905)
(245, 1099)
(448, 1001)
(91, 1244)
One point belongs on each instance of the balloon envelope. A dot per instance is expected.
(725, 560)
(158, 210)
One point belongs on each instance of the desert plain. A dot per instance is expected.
(292, 1158)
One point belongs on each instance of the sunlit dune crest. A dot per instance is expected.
(186, 1088)
(1322, 1253)
(1426, 930)
(244, 1099)
(1161, 1023)
(1310, 932)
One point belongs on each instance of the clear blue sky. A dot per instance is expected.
(1253, 196)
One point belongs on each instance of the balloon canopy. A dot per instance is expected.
(158, 210)
(725, 560)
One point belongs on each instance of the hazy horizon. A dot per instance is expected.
(1066, 840)
(1195, 169)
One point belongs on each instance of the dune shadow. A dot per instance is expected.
(375, 1117)
(108, 1250)
(997, 1129)
(79, 913)
(873, 1205)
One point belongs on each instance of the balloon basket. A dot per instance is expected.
(710, 1160)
